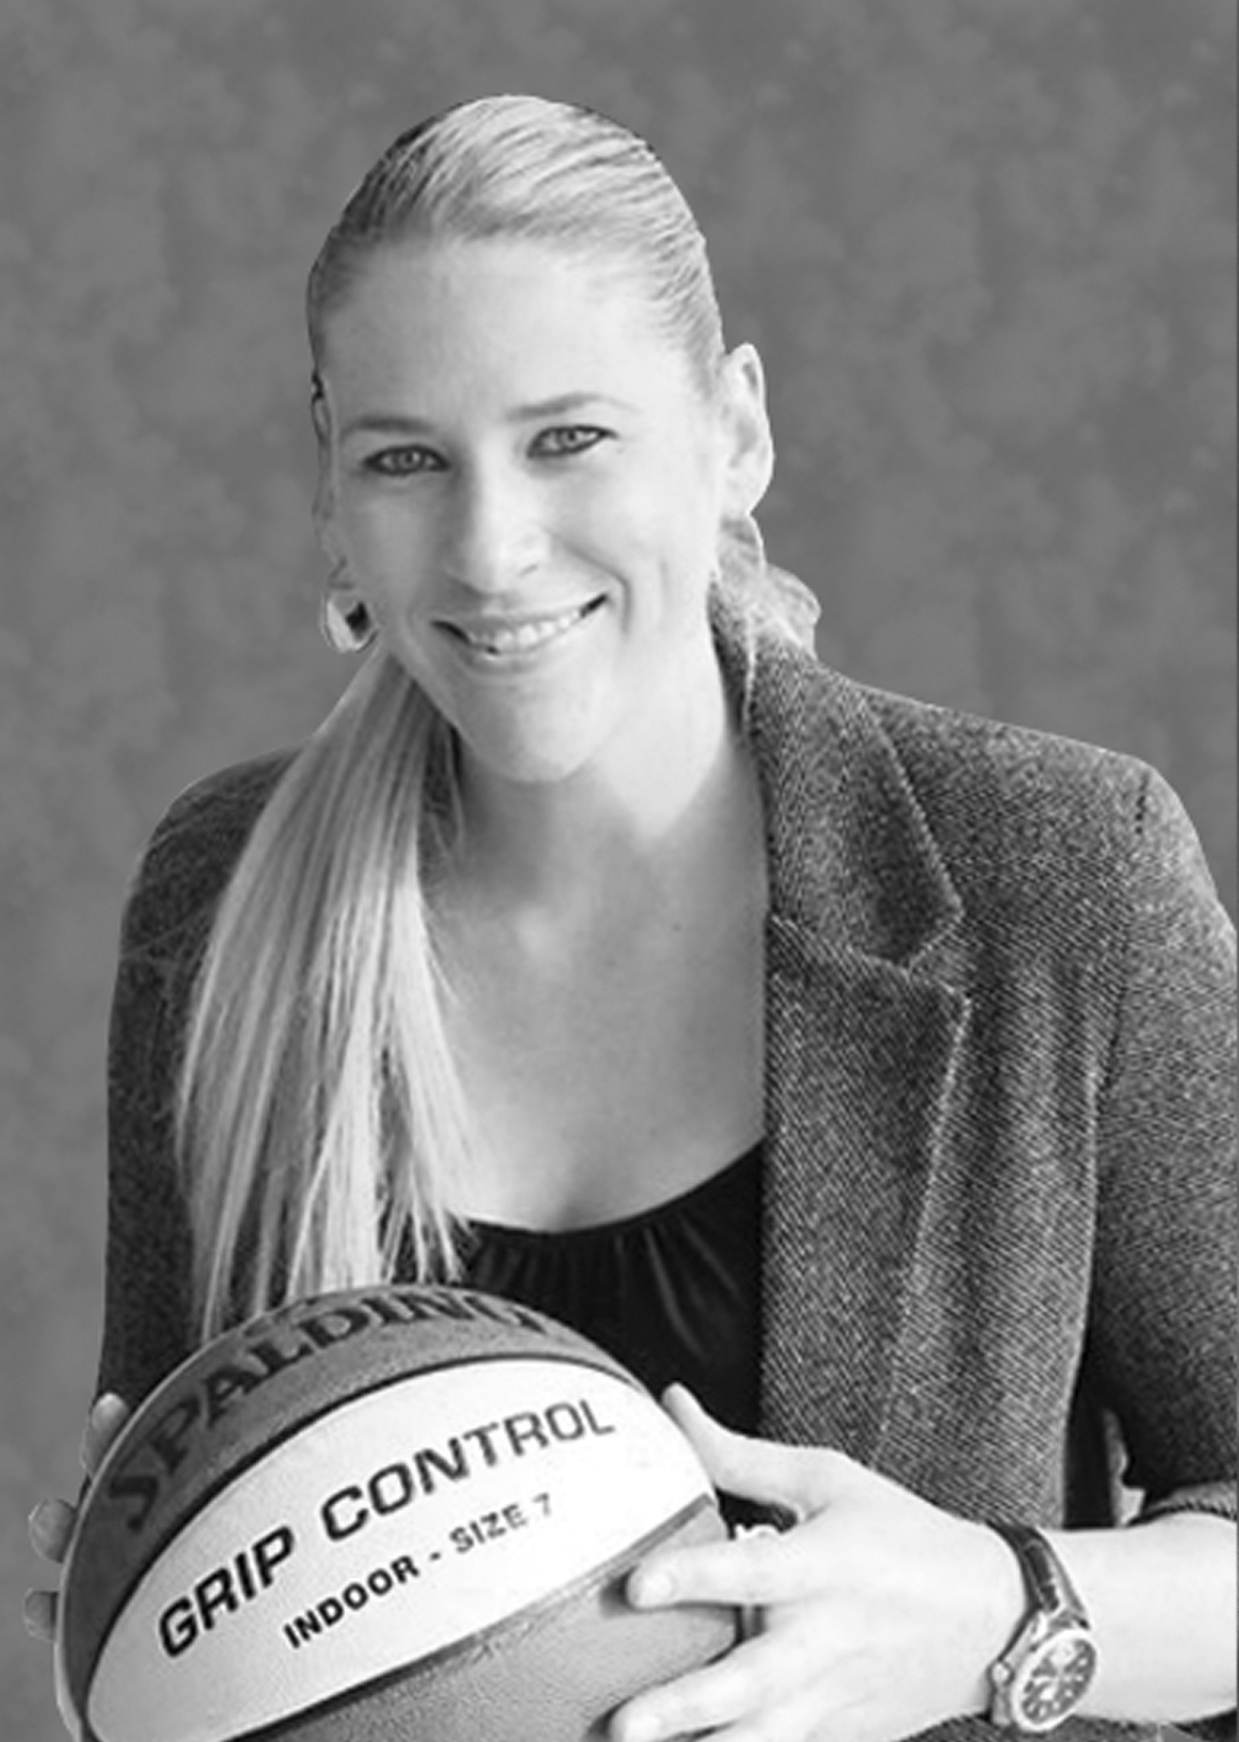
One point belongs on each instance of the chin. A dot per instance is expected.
(534, 745)
(543, 765)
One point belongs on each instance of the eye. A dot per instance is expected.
(567, 439)
(402, 462)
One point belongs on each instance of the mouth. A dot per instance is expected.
(501, 637)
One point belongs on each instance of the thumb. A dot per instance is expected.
(801, 1479)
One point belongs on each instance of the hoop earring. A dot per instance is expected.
(346, 629)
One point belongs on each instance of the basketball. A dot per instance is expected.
(385, 1513)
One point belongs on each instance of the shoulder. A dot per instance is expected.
(194, 846)
(1034, 793)
(1028, 804)
(1020, 818)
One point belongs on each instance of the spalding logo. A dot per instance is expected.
(271, 1344)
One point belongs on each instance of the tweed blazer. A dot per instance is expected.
(999, 1205)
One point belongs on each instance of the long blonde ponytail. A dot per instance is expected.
(319, 1116)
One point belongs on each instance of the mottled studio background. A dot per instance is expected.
(985, 247)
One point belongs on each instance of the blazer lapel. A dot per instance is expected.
(858, 1063)
(862, 1034)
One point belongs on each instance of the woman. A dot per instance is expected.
(864, 1065)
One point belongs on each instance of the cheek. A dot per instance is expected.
(683, 542)
(665, 528)
(390, 546)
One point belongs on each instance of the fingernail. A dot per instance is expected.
(638, 1727)
(32, 1619)
(38, 1524)
(650, 1587)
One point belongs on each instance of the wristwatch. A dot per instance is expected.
(1049, 1665)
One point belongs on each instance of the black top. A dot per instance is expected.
(672, 1293)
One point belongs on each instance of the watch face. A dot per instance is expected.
(1053, 1680)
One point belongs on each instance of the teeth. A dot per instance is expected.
(523, 636)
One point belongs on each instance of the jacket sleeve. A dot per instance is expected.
(148, 1326)
(146, 1293)
(1164, 1305)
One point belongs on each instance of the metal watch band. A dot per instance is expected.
(1049, 1587)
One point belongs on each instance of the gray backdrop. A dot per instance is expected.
(985, 247)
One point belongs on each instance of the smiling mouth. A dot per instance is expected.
(503, 638)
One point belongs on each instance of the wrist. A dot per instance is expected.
(1002, 1602)
(1046, 1671)
(1161, 1598)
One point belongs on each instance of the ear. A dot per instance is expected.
(324, 488)
(748, 449)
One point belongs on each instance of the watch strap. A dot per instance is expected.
(1050, 1590)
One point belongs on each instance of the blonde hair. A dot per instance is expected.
(320, 1119)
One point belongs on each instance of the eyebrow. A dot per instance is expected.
(388, 422)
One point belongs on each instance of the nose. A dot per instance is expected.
(494, 536)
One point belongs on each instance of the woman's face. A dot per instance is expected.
(527, 490)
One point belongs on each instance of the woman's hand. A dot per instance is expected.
(877, 1613)
(52, 1521)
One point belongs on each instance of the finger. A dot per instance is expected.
(797, 1718)
(801, 1478)
(762, 1568)
(39, 1615)
(702, 1700)
(50, 1527)
(107, 1416)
